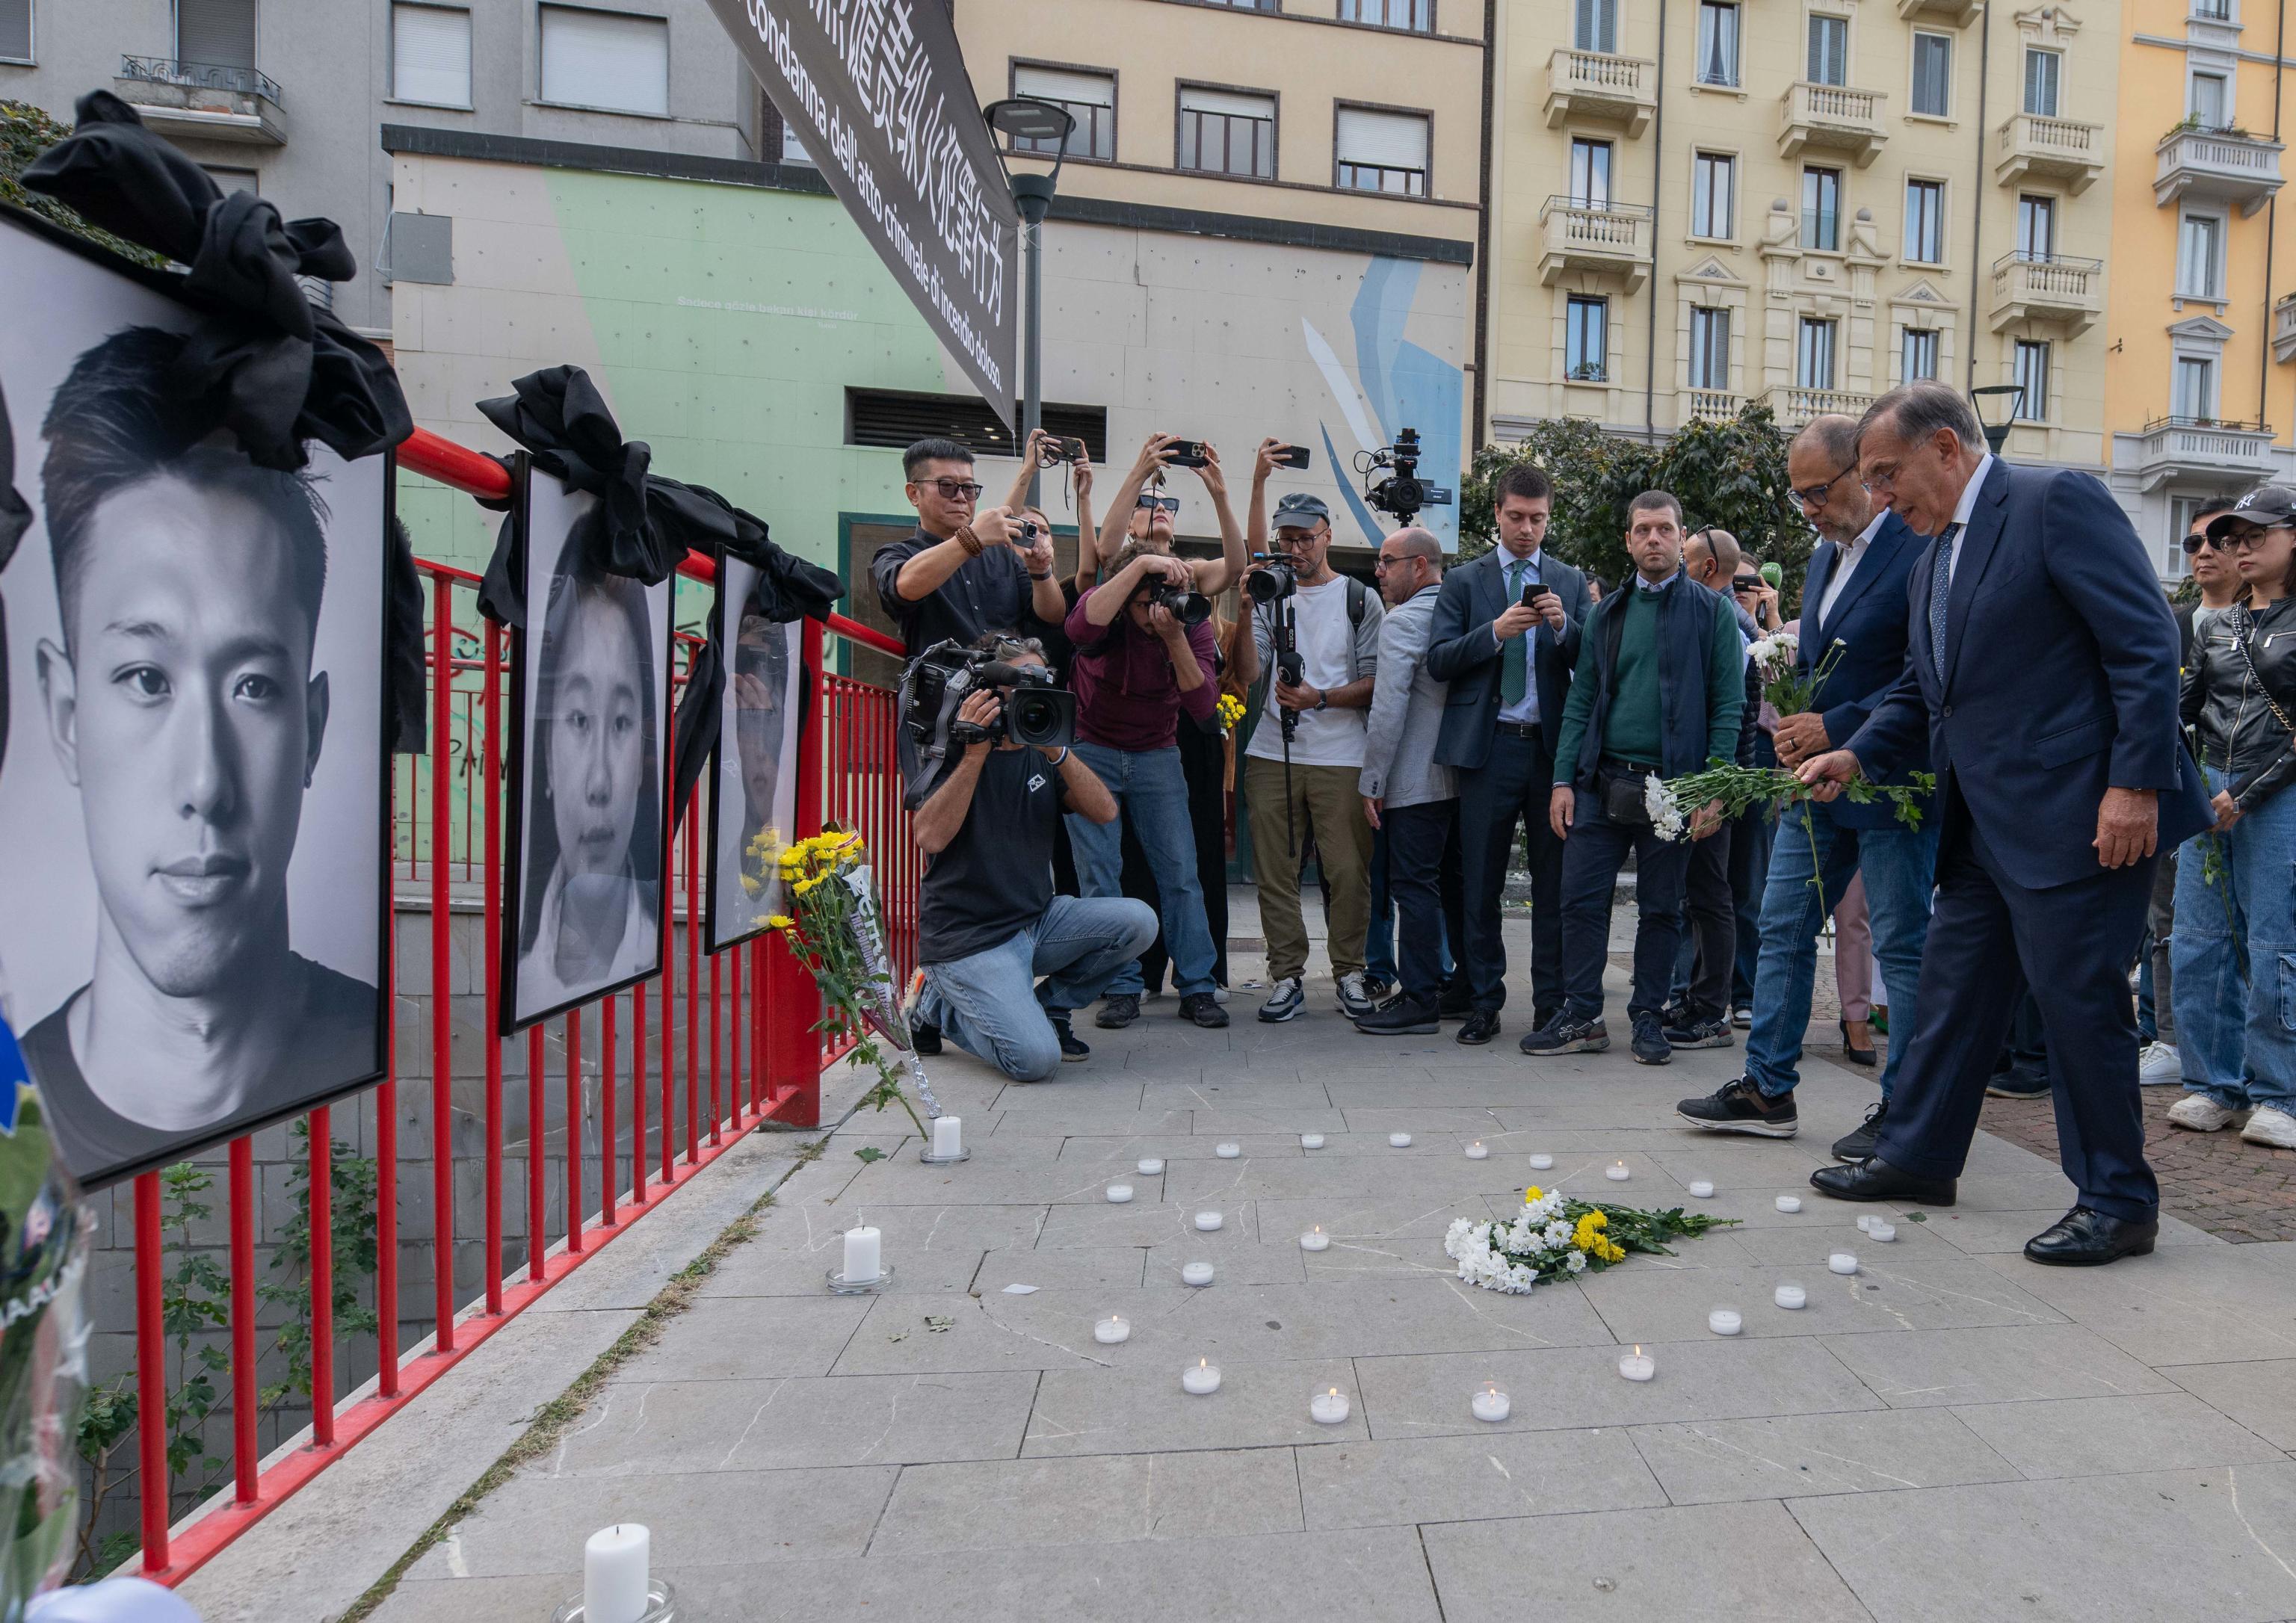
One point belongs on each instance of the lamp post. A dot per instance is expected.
(1025, 119)
(1997, 405)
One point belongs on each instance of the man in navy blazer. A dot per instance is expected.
(1505, 637)
(1853, 628)
(2043, 671)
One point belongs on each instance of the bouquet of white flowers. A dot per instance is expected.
(1556, 1237)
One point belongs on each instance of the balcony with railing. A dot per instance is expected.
(2283, 328)
(1795, 406)
(1836, 118)
(1958, 13)
(1600, 85)
(2224, 166)
(203, 101)
(2047, 287)
(1610, 238)
(2053, 149)
(1707, 405)
(2214, 453)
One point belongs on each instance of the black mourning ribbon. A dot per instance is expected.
(16, 517)
(275, 369)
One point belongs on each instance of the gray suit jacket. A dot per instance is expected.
(1406, 711)
(1463, 653)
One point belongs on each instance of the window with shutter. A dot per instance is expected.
(1932, 75)
(1226, 132)
(1925, 221)
(1089, 98)
(16, 30)
(1713, 194)
(430, 56)
(1597, 26)
(605, 60)
(1710, 348)
(2041, 69)
(1381, 151)
(215, 33)
(1829, 49)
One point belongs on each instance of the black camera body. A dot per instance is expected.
(1190, 608)
(1272, 577)
(1402, 492)
(941, 679)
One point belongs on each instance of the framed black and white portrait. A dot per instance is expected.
(590, 700)
(753, 793)
(195, 798)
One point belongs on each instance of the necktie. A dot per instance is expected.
(1515, 653)
(1940, 591)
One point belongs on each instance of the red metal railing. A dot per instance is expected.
(447, 832)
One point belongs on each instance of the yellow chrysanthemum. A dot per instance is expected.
(751, 884)
(1596, 1219)
(781, 920)
(1531, 1194)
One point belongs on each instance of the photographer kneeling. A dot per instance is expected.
(988, 924)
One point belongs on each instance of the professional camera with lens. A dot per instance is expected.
(1271, 578)
(1189, 608)
(1402, 492)
(941, 679)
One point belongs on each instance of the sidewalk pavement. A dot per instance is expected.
(1952, 1434)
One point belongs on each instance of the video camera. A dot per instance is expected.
(941, 679)
(1403, 493)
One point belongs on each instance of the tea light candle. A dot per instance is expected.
(1702, 1189)
(1329, 1408)
(1881, 1233)
(1617, 1172)
(1195, 1273)
(1402, 1140)
(1151, 1166)
(1489, 1403)
(1208, 1221)
(1111, 1330)
(948, 1138)
(1789, 1203)
(1316, 1240)
(1119, 1193)
(1478, 1150)
(1725, 1322)
(1637, 1365)
(1864, 1221)
(1200, 1381)
(1842, 1262)
(864, 1262)
(1311, 1141)
(614, 1573)
(1540, 1163)
(1794, 1299)
(1228, 1152)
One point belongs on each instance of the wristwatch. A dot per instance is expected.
(1323, 700)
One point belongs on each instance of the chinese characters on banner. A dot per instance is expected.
(876, 89)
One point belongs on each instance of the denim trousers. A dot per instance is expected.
(1899, 865)
(1152, 793)
(2236, 1032)
(1592, 857)
(990, 1006)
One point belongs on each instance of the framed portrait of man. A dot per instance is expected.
(589, 750)
(754, 777)
(194, 799)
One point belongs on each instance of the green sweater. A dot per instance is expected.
(1632, 728)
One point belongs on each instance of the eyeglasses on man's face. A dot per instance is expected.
(1816, 495)
(954, 489)
(1384, 562)
(1882, 480)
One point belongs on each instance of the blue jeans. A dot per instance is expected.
(989, 1005)
(1900, 868)
(1153, 792)
(2236, 1035)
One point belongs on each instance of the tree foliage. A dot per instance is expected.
(25, 132)
(1729, 472)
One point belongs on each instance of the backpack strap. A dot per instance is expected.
(1358, 604)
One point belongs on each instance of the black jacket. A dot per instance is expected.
(2230, 715)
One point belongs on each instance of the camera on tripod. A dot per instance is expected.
(1272, 577)
(942, 677)
(1402, 492)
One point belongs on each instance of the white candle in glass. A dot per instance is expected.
(863, 1260)
(1119, 1193)
(1637, 1365)
(948, 1138)
(1479, 1151)
(1792, 1298)
(1329, 1408)
(1316, 1240)
(1842, 1262)
(1489, 1403)
(1789, 1203)
(1725, 1322)
(1311, 1141)
(1195, 1273)
(1208, 1220)
(1864, 1221)
(1701, 1189)
(1111, 1330)
(1882, 1234)
(1202, 1382)
(1228, 1152)
(1402, 1140)
(614, 1580)
(1151, 1166)
(1540, 1163)
(1617, 1172)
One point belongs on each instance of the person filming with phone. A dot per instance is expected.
(963, 573)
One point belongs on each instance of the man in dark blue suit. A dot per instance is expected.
(1853, 614)
(1505, 637)
(2043, 671)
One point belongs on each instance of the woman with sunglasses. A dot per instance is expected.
(2234, 951)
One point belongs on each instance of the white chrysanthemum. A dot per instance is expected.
(1576, 1262)
(1665, 811)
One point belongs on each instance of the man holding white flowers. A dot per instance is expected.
(1854, 596)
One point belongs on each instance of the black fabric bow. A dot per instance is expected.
(16, 517)
(277, 370)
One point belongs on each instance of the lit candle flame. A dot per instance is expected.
(1199, 1363)
(1335, 1391)
(1638, 1351)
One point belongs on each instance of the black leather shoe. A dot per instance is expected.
(1482, 1025)
(1877, 1180)
(1401, 1016)
(2086, 1239)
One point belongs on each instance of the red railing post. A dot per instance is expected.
(609, 1151)
(716, 1057)
(694, 983)
(669, 966)
(442, 990)
(322, 1279)
(386, 1175)
(491, 868)
(535, 1240)
(246, 1450)
(574, 1131)
(792, 1049)
(151, 1374)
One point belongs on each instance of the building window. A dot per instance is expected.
(1710, 348)
(2192, 390)
(1925, 221)
(1597, 26)
(1381, 152)
(1088, 98)
(2208, 101)
(1713, 195)
(1240, 5)
(1932, 75)
(2036, 229)
(1717, 43)
(1821, 209)
(1586, 342)
(1917, 354)
(2199, 256)
(1829, 49)
(430, 56)
(1590, 174)
(229, 180)
(605, 60)
(215, 33)
(2212, 11)
(2182, 510)
(1415, 16)
(891, 419)
(1223, 132)
(2042, 73)
(1814, 354)
(2032, 377)
(15, 30)
(777, 143)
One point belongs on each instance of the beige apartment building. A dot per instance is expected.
(1804, 202)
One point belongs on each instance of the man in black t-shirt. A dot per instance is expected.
(962, 574)
(988, 924)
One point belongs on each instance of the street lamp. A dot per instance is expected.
(1025, 119)
(1997, 405)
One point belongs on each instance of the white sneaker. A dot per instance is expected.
(1355, 994)
(2159, 1066)
(2272, 1126)
(2203, 1114)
